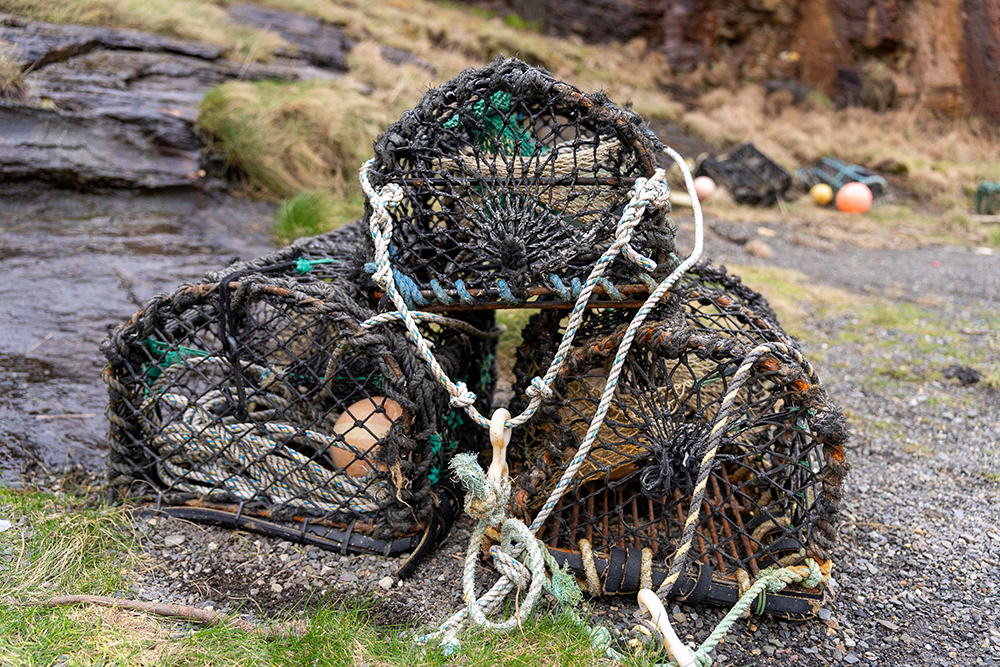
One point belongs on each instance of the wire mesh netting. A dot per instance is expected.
(750, 176)
(514, 183)
(257, 398)
(837, 174)
(772, 494)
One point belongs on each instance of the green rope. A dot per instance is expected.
(769, 580)
(486, 370)
(303, 265)
(168, 356)
(499, 136)
(486, 501)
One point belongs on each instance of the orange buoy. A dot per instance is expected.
(362, 426)
(821, 193)
(704, 187)
(854, 198)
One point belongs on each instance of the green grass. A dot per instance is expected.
(62, 545)
(514, 320)
(312, 213)
(520, 23)
(280, 139)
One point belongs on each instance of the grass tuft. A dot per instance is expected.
(12, 85)
(312, 213)
(60, 547)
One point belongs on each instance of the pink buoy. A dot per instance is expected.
(704, 187)
(854, 198)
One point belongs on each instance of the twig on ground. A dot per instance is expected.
(206, 617)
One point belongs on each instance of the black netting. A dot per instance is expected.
(259, 394)
(750, 176)
(513, 184)
(772, 495)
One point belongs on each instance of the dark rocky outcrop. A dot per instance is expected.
(308, 38)
(944, 55)
(118, 107)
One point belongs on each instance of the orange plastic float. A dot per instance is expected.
(854, 198)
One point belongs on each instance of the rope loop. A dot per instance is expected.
(651, 191)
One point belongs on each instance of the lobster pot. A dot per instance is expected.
(749, 175)
(262, 401)
(513, 184)
(771, 497)
(837, 174)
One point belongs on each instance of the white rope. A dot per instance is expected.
(646, 192)
(251, 460)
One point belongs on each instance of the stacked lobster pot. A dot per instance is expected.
(717, 424)
(321, 391)
(720, 454)
(266, 398)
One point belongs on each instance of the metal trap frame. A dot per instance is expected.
(261, 399)
(513, 183)
(837, 174)
(750, 176)
(772, 493)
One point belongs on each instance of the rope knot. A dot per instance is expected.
(463, 398)
(390, 195)
(659, 194)
(539, 387)
(645, 192)
(816, 574)
(485, 500)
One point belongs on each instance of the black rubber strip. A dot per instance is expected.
(794, 605)
(633, 570)
(320, 536)
(440, 525)
(616, 570)
(702, 580)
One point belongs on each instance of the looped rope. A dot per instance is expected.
(647, 192)
(485, 501)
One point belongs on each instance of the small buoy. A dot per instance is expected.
(363, 436)
(854, 198)
(821, 193)
(704, 187)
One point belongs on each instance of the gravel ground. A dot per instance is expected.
(917, 573)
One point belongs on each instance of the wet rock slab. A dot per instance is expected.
(116, 108)
(74, 265)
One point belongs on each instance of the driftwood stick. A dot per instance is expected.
(206, 617)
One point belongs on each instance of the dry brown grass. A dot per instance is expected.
(12, 85)
(451, 38)
(943, 159)
(190, 19)
(448, 37)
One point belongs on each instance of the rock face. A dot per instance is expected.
(117, 108)
(943, 54)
